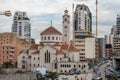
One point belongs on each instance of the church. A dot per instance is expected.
(55, 52)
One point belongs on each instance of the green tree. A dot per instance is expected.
(111, 77)
(52, 75)
(7, 65)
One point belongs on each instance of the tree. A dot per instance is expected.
(111, 77)
(52, 75)
(7, 65)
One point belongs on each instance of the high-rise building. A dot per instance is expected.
(82, 28)
(82, 18)
(21, 25)
(66, 27)
(116, 34)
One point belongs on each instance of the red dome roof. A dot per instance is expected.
(51, 30)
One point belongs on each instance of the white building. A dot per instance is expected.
(21, 25)
(52, 54)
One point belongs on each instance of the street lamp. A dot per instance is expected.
(6, 13)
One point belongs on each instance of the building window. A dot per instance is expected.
(38, 58)
(47, 57)
(74, 66)
(34, 65)
(44, 38)
(34, 58)
(52, 38)
(65, 27)
(56, 38)
(48, 37)
(65, 35)
(38, 65)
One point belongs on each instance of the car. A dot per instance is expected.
(77, 72)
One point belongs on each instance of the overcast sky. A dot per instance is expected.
(41, 12)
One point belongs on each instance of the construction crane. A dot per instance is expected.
(6, 13)
(96, 18)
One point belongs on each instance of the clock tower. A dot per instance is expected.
(66, 27)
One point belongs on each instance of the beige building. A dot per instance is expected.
(10, 47)
(79, 42)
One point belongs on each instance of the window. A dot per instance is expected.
(65, 19)
(52, 38)
(65, 35)
(47, 57)
(48, 37)
(38, 65)
(38, 58)
(74, 66)
(56, 38)
(34, 58)
(44, 38)
(65, 27)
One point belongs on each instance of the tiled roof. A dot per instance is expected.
(72, 48)
(57, 44)
(64, 46)
(51, 30)
(41, 44)
(35, 52)
(34, 46)
(58, 52)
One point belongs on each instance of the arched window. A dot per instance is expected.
(47, 57)
(55, 65)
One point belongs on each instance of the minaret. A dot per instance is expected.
(66, 27)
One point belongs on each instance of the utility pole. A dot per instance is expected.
(96, 18)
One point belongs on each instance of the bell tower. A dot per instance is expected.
(66, 27)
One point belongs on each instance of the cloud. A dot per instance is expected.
(41, 12)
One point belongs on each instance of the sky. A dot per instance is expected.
(41, 12)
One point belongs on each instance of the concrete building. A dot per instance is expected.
(10, 47)
(82, 28)
(66, 28)
(108, 50)
(21, 25)
(82, 18)
(101, 44)
(115, 31)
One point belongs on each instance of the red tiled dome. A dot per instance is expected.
(51, 30)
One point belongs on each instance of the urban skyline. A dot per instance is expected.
(40, 15)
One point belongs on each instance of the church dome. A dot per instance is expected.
(51, 31)
(51, 35)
